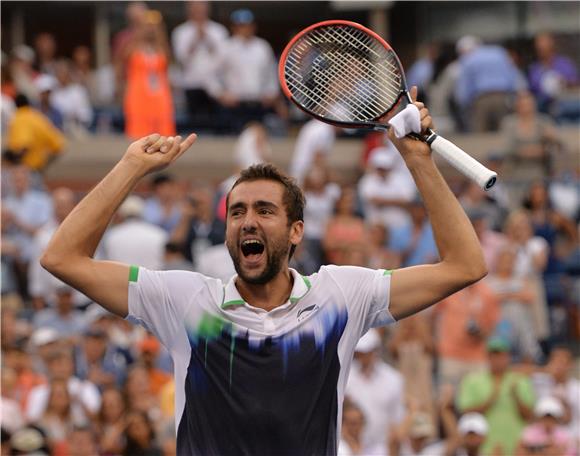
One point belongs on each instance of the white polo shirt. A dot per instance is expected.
(250, 381)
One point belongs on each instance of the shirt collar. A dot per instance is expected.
(232, 296)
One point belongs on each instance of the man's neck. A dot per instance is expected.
(269, 295)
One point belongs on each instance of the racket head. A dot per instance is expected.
(342, 73)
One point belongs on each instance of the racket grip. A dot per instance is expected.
(463, 162)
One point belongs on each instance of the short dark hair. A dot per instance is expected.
(293, 197)
(21, 100)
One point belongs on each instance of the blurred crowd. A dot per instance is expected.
(490, 370)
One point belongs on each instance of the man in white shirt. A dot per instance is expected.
(197, 46)
(387, 188)
(261, 362)
(247, 85)
(85, 395)
(133, 240)
(377, 389)
(313, 144)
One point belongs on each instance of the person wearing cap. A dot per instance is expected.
(387, 189)
(45, 84)
(547, 434)
(382, 406)
(197, 45)
(416, 435)
(22, 72)
(149, 348)
(133, 240)
(246, 85)
(34, 134)
(504, 397)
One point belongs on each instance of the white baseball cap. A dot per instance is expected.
(383, 158)
(369, 342)
(133, 206)
(473, 422)
(549, 405)
(44, 336)
(45, 82)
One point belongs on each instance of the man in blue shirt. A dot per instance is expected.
(487, 80)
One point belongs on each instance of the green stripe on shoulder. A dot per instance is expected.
(133, 273)
(388, 272)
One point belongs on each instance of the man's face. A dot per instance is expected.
(258, 235)
(499, 361)
(473, 441)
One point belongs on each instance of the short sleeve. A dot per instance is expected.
(367, 293)
(159, 300)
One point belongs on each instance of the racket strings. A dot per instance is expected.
(344, 74)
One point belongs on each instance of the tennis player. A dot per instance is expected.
(261, 362)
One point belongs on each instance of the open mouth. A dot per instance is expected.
(252, 249)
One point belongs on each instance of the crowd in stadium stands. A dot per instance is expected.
(487, 371)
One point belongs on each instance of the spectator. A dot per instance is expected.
(72, 100)
(163, 208)
(8, 401)
(197, 46)
(63, 318)
(416, 436)
(487, 79)
(465, 320)
(10, 254)
(556, 379)
(140, 436)
(351, 440)
(138, 391)
(174, 258)
(491, 241)
(532, 140)
(412, 348)
(381, 257)
(149, 349)
(99, 361)
(135, 16)
(387, 188)
(382, 408)
(22, 73)
(473, 198)
(503, 396)
(82, 67)
(82, 442)
(57, 420)
(30, 209)
(33, 135)
(41, 284)
(247, 83)
(421, 73)
(313, 144)
(551, 74)
(321, 195)
(146, 58)
(133, 240)
(45, 46)
(547, 433)
(111, 422)
(516, 295)
(414, 241)
(45, 85)
(253, 146)
(531, 260)
(85, 398)
(30, 440)
(467, 436)
(344, 230)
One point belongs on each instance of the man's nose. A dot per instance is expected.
(250, 222)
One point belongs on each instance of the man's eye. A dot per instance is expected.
(265, 211)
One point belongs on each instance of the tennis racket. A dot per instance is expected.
(346, 75)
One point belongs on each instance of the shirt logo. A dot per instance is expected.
(306, 311)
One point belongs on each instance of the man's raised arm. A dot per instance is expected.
(69, 255)
(462, 262)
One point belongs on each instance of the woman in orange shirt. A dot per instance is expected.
(148, 104)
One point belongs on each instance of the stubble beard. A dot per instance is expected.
(274, 260)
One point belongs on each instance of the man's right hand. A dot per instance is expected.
(156, 152)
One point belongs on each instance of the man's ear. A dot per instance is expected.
(297, 232)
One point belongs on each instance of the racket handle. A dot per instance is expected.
(462, 162)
